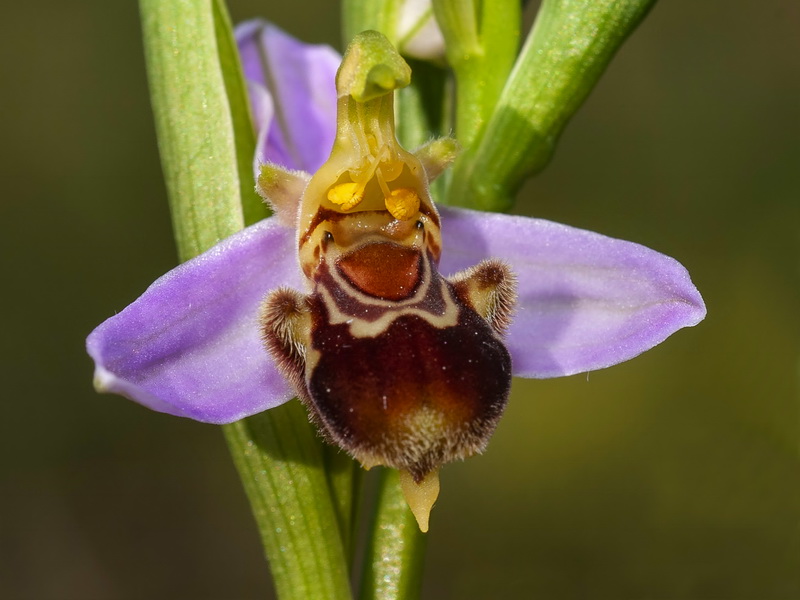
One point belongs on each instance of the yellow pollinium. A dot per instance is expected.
(346, 195)
(403, 203)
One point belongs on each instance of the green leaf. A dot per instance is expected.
(568, 49)
(281, 464)
(203, 138)
(193, 122)
(345, 478)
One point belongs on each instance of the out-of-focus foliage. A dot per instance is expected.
(672, 476)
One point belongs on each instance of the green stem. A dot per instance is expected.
(379, 15)
(281, 465)
(196, 88)
(421, 110)
(396, 551)
(344, 479)
(193, 122)
(420, 106)
(570, 46)
(482, 38)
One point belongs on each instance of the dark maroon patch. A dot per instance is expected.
(383, 270)
(366, 390)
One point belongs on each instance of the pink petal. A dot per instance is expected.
(300, 78)
(190, 345)
(586, 301)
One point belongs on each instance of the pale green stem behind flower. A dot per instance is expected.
(378, 15)
(482, 40)
(568, 49)
(253, 208)
(277, 453)
(393, 563)
(193, 122)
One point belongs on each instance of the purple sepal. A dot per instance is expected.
(298, 126)
(190, 345)
(586, 301)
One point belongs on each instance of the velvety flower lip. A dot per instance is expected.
(190, 345)
(293, 95)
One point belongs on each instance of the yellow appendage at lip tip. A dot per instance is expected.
(346, 195)
(402, 203)
(420, 496)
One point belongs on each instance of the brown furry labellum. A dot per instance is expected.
(398, 365)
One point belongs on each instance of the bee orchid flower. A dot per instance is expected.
(398, 324)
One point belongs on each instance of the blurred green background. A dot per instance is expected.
(674, 476)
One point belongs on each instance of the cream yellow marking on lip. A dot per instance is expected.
(361, 328)
(420, 496)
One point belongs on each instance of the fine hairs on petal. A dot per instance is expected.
(490, 287)
(285, 326)
(281, 189)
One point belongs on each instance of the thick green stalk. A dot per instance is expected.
(570, 46)
(345, 478)
(482, 38)
(396, 549)
(193, 122)
(277, 453)
(280, 461)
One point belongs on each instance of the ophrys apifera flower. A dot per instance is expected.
(398, 324)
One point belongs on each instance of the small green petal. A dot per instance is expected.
(437, 155)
